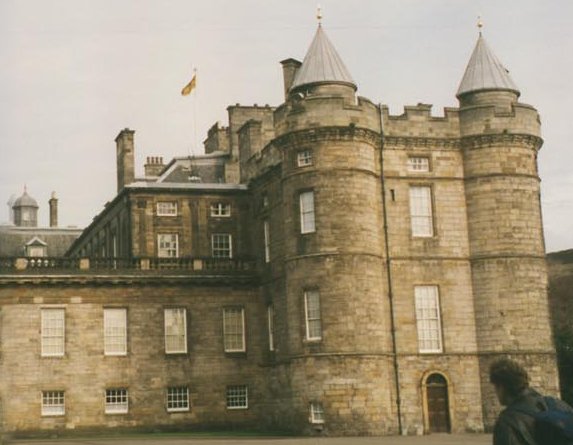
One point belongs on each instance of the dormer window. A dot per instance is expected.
(304, 158)
(36, 248)
(166, 208)
(220, 209)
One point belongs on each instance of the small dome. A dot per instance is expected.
(25, 201)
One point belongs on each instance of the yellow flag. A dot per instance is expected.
(190, 86)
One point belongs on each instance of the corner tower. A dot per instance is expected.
(500, 142)
(338, 355)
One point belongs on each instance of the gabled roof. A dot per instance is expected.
(322, 64)
(485, 72)
(36, 242)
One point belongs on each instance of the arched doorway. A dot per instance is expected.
(438, 408)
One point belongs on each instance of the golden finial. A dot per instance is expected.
(480, 24)
(319, 15)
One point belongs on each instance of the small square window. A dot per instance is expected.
(316, 412)
(177, 399)
(237, 397)
(53, 403)
(220, 209)
(167, 208)
(418, 164)
(116, 401)
(304, 158)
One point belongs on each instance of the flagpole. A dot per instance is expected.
(194, 114)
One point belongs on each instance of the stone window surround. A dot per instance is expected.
(220, 252)
(177, 399)
(53, 331)
(114, 333)
(428, 215)
(316, 413)
(166, 208)
(436, 320)
(175, 335)
(116, 401)
(220, 209)
(53, 403)
(304, 158)
(237, 396)
(229, 333)
(316, 320)
(305, 224)
(169, 246)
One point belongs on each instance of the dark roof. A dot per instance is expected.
(13, 239)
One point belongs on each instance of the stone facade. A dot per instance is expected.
(356, 323)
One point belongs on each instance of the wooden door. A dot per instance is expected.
(438, 408)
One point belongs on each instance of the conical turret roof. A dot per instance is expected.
(322, 64)
(485, 72)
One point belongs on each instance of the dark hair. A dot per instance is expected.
(510, 375)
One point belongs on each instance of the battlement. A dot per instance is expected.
(418, 121)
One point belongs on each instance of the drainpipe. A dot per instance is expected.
(389, 275)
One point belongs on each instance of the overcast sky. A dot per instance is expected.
(75, 72)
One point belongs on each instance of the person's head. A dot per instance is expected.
(509, 379)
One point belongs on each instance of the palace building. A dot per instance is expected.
(325, 267)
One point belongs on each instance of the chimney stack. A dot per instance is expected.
(153, 166)
(125, 158)
(53, 210)
(290, 67)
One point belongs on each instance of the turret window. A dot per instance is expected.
(316, 413)
(312, 315)
(304, 158)
(307, 221)
(421, 211)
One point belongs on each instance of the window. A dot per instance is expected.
(271, 326)
(234, 329)
(175, 330)
(36, 251)
(428, 319)
(53, 403)
(267, 235)
(237, 397)
(53, 332)
(421, 211)
(26, 215)
(265, 201)
(304, 158)
(115, 331)
(166, 208)
(418, 164)
(220, 209)
(316, 412)
(177, 399)
(307, 212)
(312, 315)
(221, 245)
(167, 245)
(116, 401)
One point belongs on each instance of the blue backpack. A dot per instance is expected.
(553, 426)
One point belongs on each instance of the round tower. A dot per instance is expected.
(339, 337)
(25, 211)
(500, 141)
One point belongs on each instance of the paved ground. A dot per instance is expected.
(434, 439)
